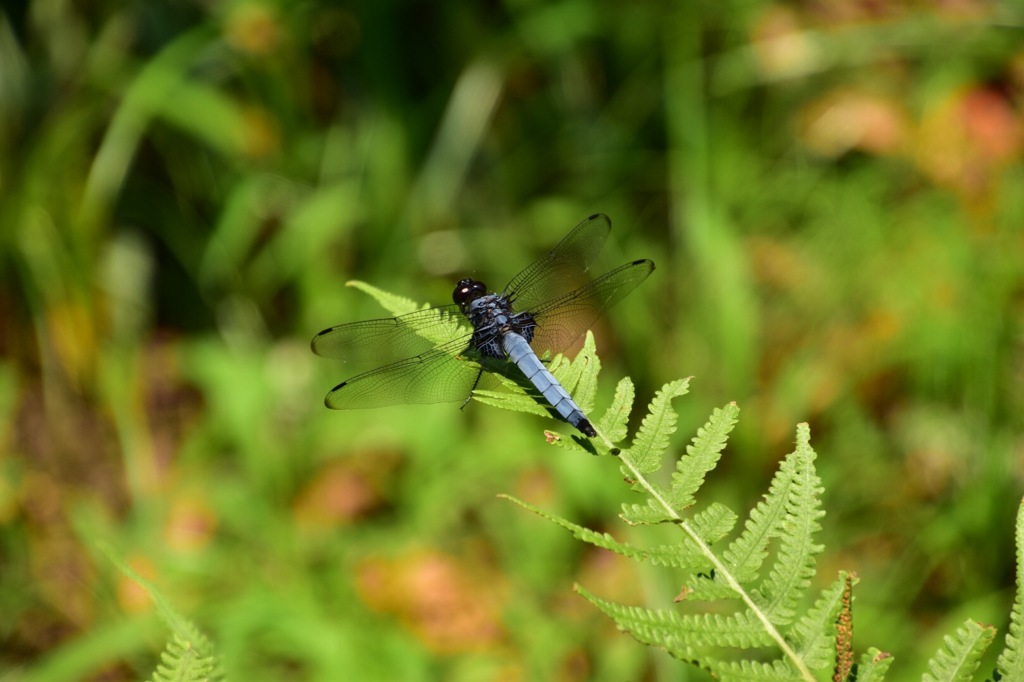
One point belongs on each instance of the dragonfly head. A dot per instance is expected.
(467, 291)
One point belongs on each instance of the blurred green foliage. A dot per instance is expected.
(831, 192)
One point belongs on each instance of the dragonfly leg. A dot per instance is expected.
(476, 381)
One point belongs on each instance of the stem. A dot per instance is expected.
(720, 570)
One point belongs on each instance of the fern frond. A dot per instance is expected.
(514, 399)
(747, 553)
(682, 635)
(189, 655)
(712, 587)
(776, 671)
(1011, 661)
(659, 424)
(813, 635)
(958, 660)
(181, 661)
(873, 665)
(613, 422)
(579, 377)
(393, 303)
(760, 604)
(439, 329)
(702, 455)
(714, 523)
(687, 555)
(795, 566)
(790, 510)
(649, 513)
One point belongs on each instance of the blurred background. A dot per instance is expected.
(831, 191)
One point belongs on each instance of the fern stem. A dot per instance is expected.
(720, 569)
(612, 450)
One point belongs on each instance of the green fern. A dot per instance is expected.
(181, 661)
(756, 586)
(1010, 664)
(440, 329)
(873, 666)
(754, 627)
(189, 656)
(765, 608)
(961, 656)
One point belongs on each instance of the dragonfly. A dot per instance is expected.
(442, 354)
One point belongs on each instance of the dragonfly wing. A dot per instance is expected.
(562, 320)
(391, 339)
(440, 375)
(562, 268)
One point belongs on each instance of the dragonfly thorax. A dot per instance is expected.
(492, 318)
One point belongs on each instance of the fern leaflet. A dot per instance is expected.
(189, 656)
(181, 661)
(1011, 661)
(702, 456)
(682, 635)
(659, 424)
(873, 665)
(792, 573)
(678, 556)
(613, 423)
(393, 303)
(958, 660)
(811, 634)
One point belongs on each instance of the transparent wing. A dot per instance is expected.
(562, 268)
(427, 356)
(391, 339)
(562, 320)
(440, 375)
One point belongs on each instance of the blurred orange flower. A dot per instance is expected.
(967, 137)
(450, 606)
(253, 28)
(190, 525)
(848, 119)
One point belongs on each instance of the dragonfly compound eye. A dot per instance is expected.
(467, 290)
